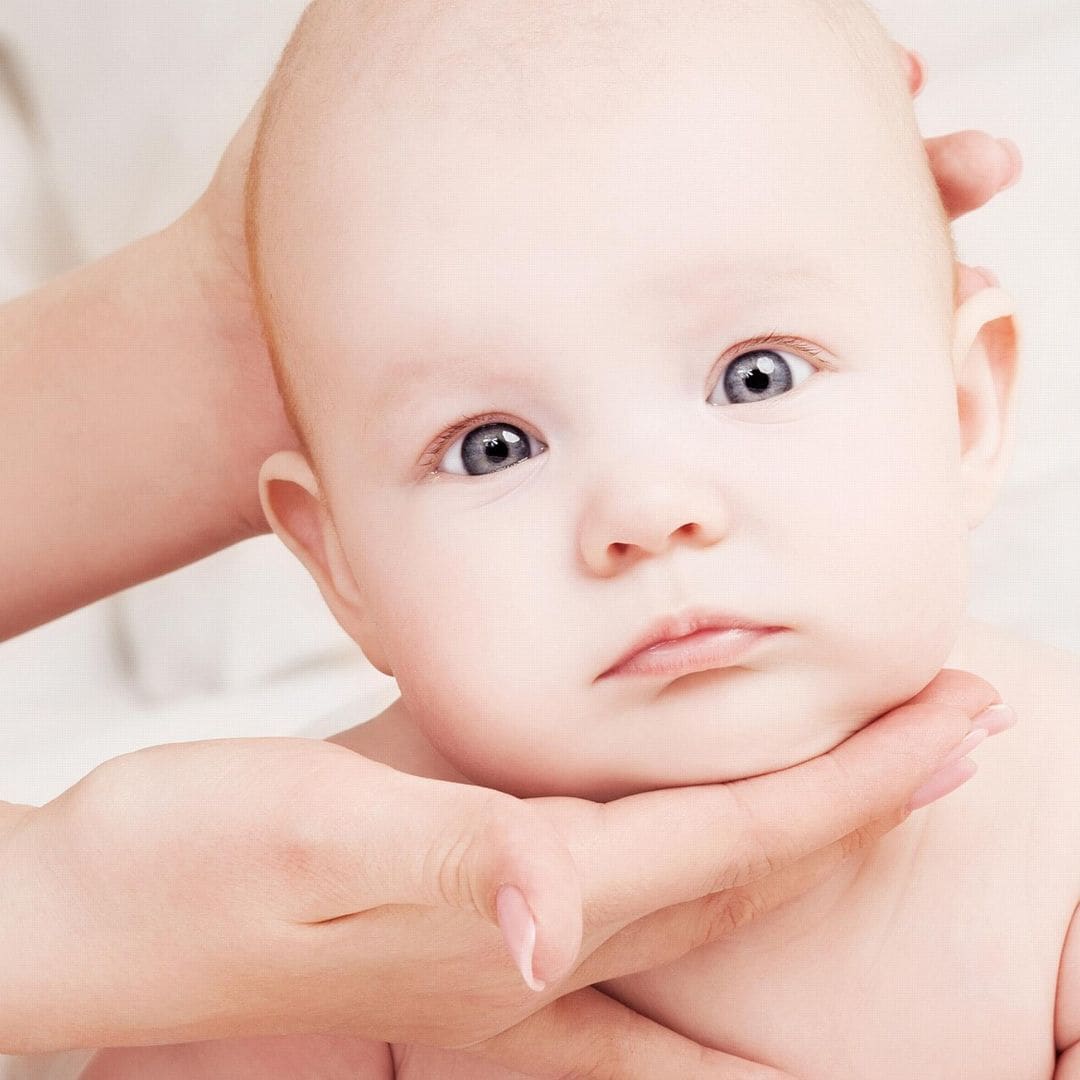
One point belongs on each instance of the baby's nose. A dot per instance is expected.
(647, 517)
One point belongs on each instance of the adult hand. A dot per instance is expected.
(235, 888)
(970, 167)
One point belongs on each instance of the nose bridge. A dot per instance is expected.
(650, 487)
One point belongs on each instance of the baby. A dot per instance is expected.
(604, 324)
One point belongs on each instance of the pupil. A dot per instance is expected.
(757, 379)
(496, 448)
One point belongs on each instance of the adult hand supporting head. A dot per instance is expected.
(235, 887)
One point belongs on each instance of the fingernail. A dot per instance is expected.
(519, 932)
(989, 275)
(969, 742)
(996, 719)
(942, 783)
(1017, 160)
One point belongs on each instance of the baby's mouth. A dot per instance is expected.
(700, 650)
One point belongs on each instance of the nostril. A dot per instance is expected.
(690, 531)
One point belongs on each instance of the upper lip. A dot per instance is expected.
(689, 621)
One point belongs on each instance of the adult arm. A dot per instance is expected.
(137, 405)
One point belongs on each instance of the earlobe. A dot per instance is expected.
(985, 363)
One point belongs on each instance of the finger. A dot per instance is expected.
(299, 1057)
(589, 1034)
(665, 847)
(914, 67)
(672, 932)
(971, 167)
(369, 835)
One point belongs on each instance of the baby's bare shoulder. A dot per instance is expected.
(1026, 669)
(1024, 804)
(1033, 768)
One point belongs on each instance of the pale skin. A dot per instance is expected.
(179, 304)
(423, 740)
(958, 931)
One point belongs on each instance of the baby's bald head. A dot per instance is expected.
(355, 70)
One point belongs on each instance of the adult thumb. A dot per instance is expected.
(379, 836)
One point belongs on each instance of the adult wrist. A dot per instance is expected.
(10, 816)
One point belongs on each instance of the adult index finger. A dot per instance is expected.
(666, 847)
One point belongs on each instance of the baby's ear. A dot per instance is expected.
(293, 505)
(985, 363)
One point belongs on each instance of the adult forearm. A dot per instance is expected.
(10, 816)
(134, 415)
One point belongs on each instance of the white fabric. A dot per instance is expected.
(134, 102)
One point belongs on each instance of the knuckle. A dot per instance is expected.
(867, 834)
(450, 871)
(457, 853)
(750, 856)
(724, 913)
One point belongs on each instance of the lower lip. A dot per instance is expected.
(697, 652)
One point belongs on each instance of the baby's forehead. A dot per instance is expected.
(482, 58)
(405, 135)
(421, 111)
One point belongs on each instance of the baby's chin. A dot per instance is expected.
(625, 754)
(526, 782)
(607, 741)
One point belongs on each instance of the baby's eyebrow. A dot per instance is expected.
(699, 286)
(709, 278)
(399, 378)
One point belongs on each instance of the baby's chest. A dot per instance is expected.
(957, 980)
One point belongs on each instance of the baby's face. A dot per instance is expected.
(553, 415)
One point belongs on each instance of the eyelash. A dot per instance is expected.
(462, 423)
(468, 421)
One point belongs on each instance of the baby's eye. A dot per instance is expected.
(760, 374)
(489, 448)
